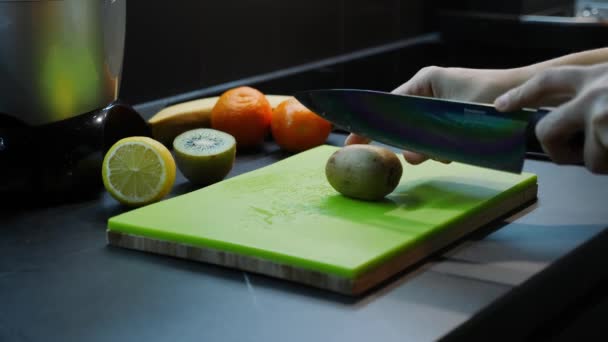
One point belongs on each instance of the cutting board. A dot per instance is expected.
(286, 221)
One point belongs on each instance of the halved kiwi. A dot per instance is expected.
(204, 156)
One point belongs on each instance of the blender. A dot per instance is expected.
(60, 68)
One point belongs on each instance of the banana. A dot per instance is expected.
(173, 120)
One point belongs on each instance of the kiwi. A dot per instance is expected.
(365, 172)
(204, 156)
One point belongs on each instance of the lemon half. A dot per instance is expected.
(138, 170)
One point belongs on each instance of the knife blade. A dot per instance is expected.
(466, 132)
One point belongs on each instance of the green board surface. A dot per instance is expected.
(289, 214)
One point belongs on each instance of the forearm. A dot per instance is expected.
(485, 85)
(517, 76)
(589, 57)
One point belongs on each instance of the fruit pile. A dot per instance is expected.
(205, 135)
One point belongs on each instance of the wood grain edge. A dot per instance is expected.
(347, 286)
(228, 259)
(439, 241)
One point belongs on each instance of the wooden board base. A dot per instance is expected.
(347, 286)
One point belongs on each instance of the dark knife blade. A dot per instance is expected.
(466, 132)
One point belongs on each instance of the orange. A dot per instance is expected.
(295, 128)
(244, 113)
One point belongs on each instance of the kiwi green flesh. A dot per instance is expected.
(204, 156)
(203, 142)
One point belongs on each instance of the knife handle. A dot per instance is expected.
(533, 147)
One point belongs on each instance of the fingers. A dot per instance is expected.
(596, 138)
(557, 133)
(414, 158)
(417, 85)
(596, 154)
(356, 139)
(421, 84)
(551, 87)
(445, 161)
(411, 157)
(600, 126)
(578, 131)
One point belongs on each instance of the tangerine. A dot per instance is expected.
(244, 113)
(296, 128)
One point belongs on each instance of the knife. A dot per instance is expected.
(466, 132)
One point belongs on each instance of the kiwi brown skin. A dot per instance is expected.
(213, 170)
(365, 172)
(205, 169)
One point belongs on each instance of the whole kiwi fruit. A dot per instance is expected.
(365, 172)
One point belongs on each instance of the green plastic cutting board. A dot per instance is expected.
(288, 215)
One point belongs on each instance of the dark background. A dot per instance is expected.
(176, 47)
(172, 47)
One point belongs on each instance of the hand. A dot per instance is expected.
(581, 94)
(476, 85)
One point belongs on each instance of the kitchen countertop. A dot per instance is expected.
(59, 281)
